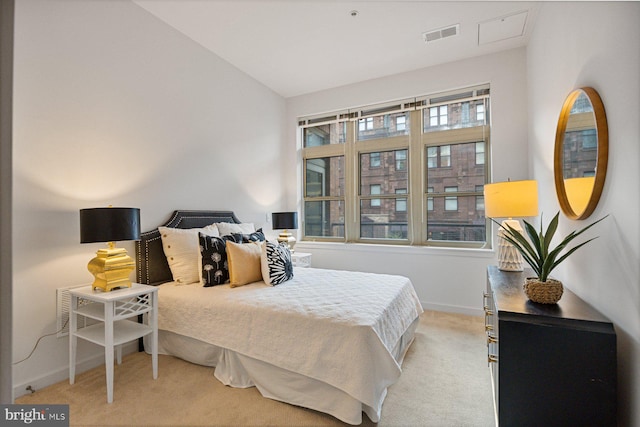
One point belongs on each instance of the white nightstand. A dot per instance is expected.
(113, 309)
(301, 259)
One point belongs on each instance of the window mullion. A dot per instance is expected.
(351, 211)
(417, 208)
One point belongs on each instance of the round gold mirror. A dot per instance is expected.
(581, 152)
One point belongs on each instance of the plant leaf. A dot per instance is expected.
(535, 238)
(551, 231)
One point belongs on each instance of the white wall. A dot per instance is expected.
(445, 279)
(112, 106)
(596, 44)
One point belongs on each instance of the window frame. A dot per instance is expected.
(340, 198)
(416, 143)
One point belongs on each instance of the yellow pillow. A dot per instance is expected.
(243, 260)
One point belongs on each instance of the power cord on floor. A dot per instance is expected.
(38, 342)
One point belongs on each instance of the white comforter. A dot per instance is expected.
(338, 327)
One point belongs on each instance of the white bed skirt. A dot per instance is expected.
(240, 371)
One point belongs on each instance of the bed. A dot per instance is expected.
(327, 340)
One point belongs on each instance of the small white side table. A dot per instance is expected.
(113, 309)
(301, 259)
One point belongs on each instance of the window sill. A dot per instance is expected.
(396, 249)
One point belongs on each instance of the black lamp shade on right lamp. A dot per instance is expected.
(285, 221)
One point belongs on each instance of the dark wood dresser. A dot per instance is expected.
(551, 365)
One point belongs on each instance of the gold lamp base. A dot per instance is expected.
(288, 239)
(111, 268)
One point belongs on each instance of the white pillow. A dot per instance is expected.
(182, 249)
(226, 228)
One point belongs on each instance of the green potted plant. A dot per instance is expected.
(537, 253)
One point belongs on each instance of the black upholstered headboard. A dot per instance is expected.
(151, 263)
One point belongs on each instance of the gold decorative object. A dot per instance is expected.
(111, 268)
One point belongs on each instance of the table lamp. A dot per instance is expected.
(285, 221)
(511, 199)
(112, 266)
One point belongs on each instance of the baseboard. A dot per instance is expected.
(469, 311)
(63, 373)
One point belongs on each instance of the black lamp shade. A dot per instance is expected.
(284, 220)
(109, 224)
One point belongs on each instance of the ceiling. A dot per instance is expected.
(298, 47)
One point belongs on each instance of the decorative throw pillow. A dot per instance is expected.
(244, 263)
(213, 264)
(182, 251)
(276, 263)
(226, 228)
(256, 236)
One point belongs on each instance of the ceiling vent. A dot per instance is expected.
(441, 33)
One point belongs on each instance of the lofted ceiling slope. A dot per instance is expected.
(299, 47)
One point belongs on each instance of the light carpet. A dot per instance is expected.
(445, 382)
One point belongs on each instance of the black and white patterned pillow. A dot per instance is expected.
(256, 236)
(276, 263)
(215, 270)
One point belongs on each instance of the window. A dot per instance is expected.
(401, 160)
(326, 134)
(480, 199)
(429, 199)
(455, 202)
(480, 112)
(374, 160)
(439, 156)
(438, 116)
(589, 139)
(450, 202)
(479, 153)
(365, 124)
(324, 197)
(372, 176)
(401, 123)
(445, 156)
(432, 157)
(380, 217)
(456, 113)
(401, 204)
(383, 126)
(375, 189)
